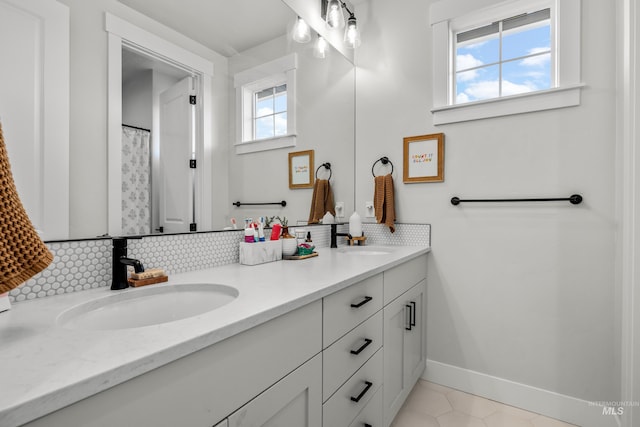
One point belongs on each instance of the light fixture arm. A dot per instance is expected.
(344, 5)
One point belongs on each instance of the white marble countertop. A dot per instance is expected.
(44, 367)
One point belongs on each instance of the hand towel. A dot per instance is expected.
(321, 201)
(384, 201)
(22, 253)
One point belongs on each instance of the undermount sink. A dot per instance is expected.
(363, 250)
(153, 305)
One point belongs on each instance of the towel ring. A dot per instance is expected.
(384, 161)
(326, 166)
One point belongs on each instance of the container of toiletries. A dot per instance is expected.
(260, 252)
(355, 225)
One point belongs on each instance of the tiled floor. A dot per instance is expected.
(432, 405)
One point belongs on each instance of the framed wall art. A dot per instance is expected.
(424, 158)
(301, 169)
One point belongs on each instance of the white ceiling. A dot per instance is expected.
(225, 26)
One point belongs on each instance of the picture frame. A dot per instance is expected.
(301, 169)
(423, 158)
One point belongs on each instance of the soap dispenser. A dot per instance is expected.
(355, 225)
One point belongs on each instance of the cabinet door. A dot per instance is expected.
(404, 348)
(415, 339)
(296, 400)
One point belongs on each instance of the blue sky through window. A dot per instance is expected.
(483, 72)
(270, 115)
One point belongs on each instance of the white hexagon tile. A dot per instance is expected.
(86, 264)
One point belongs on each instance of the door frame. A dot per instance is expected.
(124, 34)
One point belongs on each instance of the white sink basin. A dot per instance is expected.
(152, 305)
(363, 250)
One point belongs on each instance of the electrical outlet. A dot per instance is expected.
(369, 211)
(339, 209)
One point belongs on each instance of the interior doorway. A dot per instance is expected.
(160, 65)
(159, 102)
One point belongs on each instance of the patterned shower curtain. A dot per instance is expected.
(136, 181)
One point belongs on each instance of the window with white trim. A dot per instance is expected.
(498, 58)
(265, 112)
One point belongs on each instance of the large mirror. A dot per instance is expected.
(158, 192)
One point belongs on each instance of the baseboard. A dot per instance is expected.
(562, 407)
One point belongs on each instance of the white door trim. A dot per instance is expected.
(629, 233)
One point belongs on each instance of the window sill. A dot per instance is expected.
(567, 96)
(265, 144)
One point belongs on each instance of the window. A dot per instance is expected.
(493, 59)
(504, 58)
(265, 112)
(270, 112)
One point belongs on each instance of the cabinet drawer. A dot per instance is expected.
(345, 309)
(342, 408)
(349, 353)
(371, 415)
(401, 278)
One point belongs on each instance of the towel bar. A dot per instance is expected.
(574, 199)
(384, 161)
(238, 204)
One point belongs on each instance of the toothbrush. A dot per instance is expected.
(233, 223)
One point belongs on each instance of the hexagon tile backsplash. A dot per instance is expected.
(85, 264)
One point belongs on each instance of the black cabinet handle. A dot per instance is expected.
(363, 392)
(361, 303)
(367, 341)
(367, 425)
(408, 327)
(413, 313)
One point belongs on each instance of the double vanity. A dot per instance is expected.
(336, 340)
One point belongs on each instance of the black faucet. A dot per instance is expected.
(120, 262)
(335, 234)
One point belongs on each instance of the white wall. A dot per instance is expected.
(522, 292)
(88, 110)
(137, 100)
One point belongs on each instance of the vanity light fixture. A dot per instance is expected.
(301, 31)
(334, 17)
(320, 50)
(351, 33)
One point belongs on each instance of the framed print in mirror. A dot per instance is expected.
(424, 158)
(301, 169)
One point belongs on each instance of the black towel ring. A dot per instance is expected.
(326, 166)
(384, 161)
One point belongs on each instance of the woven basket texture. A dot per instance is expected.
(22, 253)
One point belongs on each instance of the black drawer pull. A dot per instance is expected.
(361, 303)
(367, 425)
(367, 341)
(363, 392)
(413, 314)
(408, 327)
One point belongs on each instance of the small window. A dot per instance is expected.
(270, 112)
(504, 58)
(266, 103)
(496, 58)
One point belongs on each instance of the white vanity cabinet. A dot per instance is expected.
(374, 346)
(352, 355)
(292, 401)
(348, 360)
(404, 334)
(205, 387)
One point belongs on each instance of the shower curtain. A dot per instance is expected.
(136, 181)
